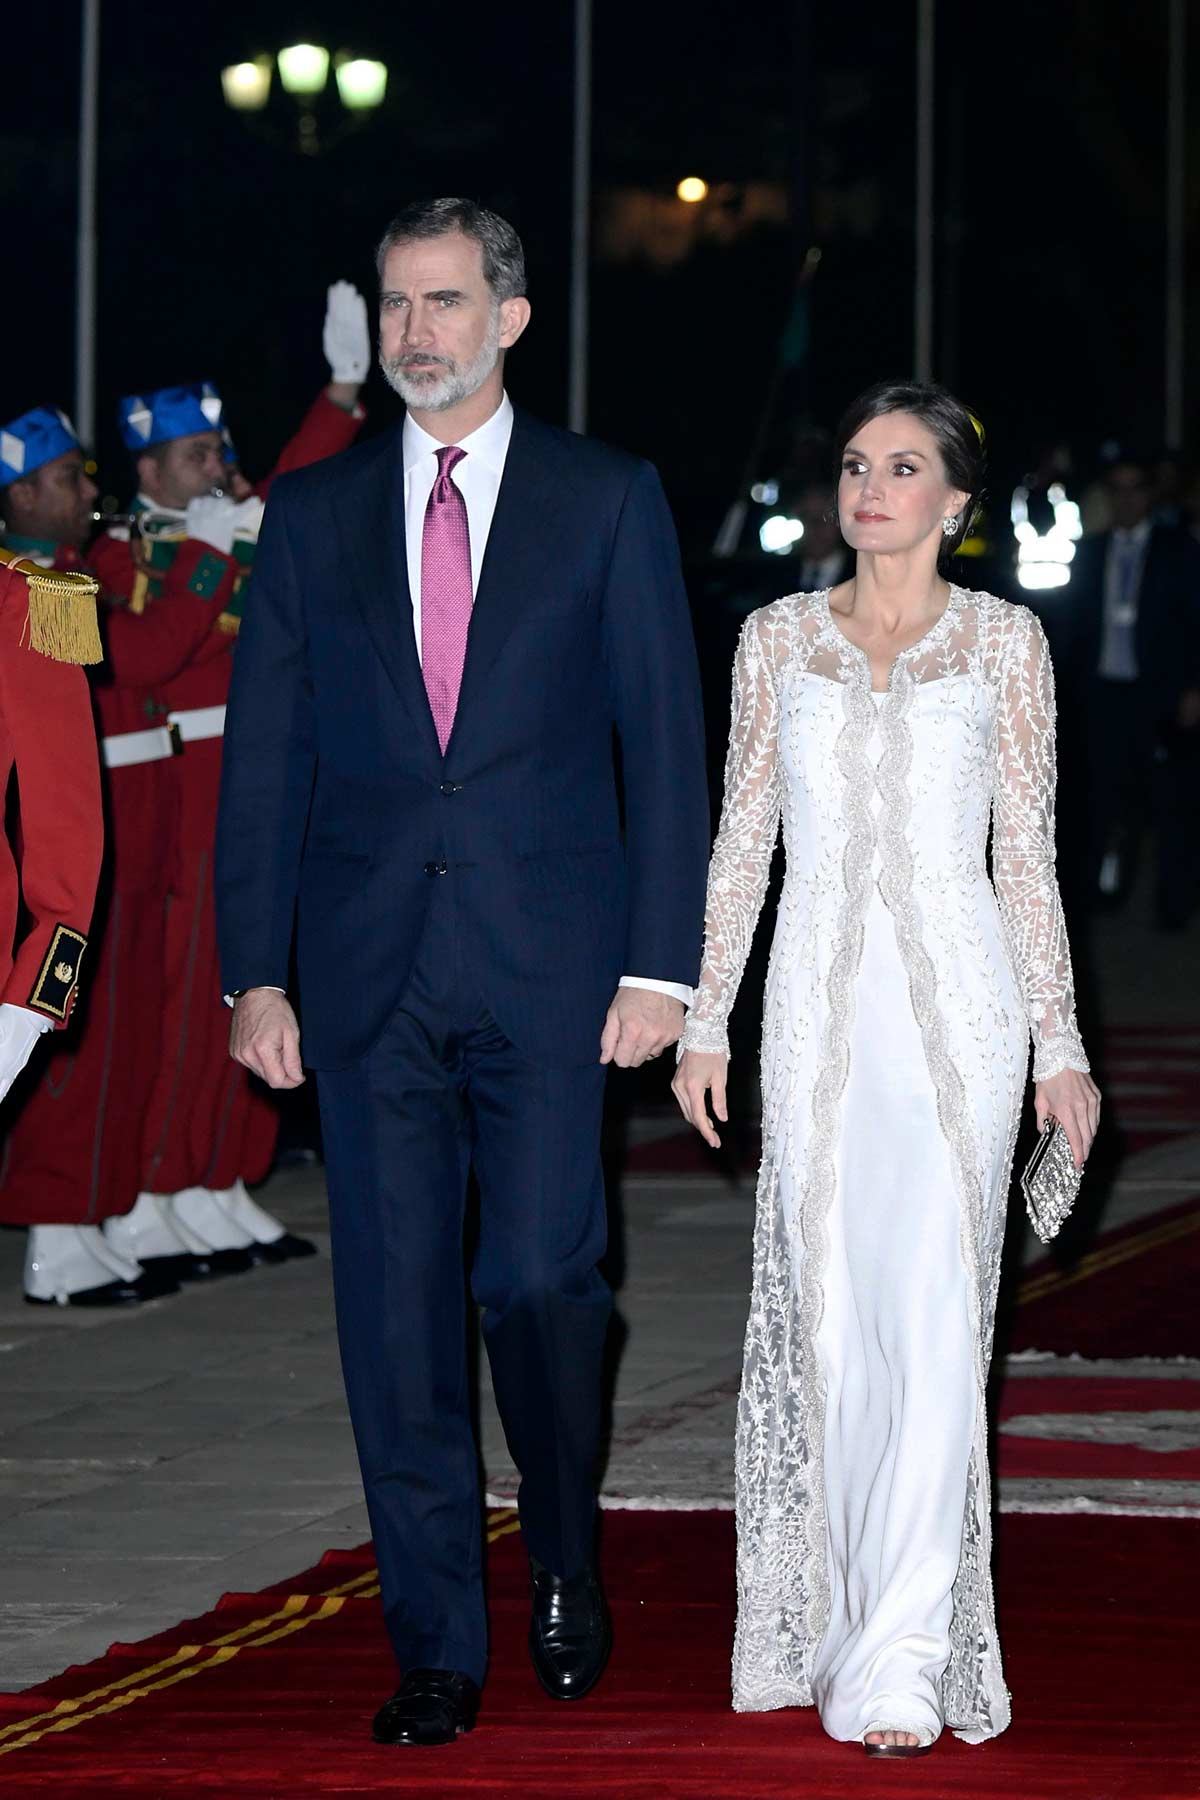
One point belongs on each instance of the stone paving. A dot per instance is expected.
(151, 1460)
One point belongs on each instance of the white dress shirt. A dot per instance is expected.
(477, 477)
(1123, 566)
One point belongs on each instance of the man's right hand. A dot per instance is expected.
(265, 1037)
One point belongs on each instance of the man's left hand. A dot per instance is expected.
(640, 1025)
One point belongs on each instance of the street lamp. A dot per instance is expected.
(692, 189)
(303, 69)
(304, 74)
(247, 85)
(361, 83)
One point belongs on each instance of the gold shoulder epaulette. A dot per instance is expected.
(62, 612)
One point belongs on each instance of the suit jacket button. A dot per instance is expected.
(452, 787)
(435, 868)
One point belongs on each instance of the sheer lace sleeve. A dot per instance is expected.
(1023, 849)
(741, 858)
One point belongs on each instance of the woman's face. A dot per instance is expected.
(892, 491)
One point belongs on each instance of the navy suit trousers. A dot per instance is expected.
(443, 1090)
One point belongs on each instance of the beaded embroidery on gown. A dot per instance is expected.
(902, 991)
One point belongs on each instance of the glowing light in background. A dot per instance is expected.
(1044, 558)
(247, 85)
(692, 189)
(361, 83)
(779, 534)
(304, 68)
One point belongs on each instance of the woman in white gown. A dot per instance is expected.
(889, 720)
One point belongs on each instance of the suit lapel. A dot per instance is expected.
(514, 563)
(372, 533)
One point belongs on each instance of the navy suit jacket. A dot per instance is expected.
(1167, 635)
(340, 818)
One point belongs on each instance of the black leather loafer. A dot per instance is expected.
(147, 1286)
(186, 1267)
(431, 1706)
(287, 1248)
(570, 1633)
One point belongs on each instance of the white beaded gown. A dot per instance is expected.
(902, 992)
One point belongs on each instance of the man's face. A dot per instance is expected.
(55, 502)
(185, 469)
(1129, 496)
(441, 330)
(818, 515)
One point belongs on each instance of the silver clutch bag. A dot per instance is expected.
(1050, 1182)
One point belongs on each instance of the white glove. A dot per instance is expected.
(20, 1030)
(346, 339)
(248, 518)
(213, 520)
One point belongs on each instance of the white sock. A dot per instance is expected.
(248, 1214)
(198, 1210)
(61, 1260)
(148, 1231)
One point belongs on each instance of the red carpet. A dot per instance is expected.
(1132, 1291)
(1132, 1294)
(271, 1695)
(1083, 1428)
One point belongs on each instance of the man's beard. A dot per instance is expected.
(438, 382)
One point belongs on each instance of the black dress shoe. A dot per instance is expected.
(112, 1293)
(431, 1706)
(287, 1248)
(155, 1284)
(570, 1633)
(186, 1267)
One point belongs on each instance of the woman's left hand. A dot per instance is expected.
(1074, 1100)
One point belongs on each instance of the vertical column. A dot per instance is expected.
(85, 266)
(1176, 233)
(577, 397)
(923, 282)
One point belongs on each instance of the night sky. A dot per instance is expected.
(217, 239)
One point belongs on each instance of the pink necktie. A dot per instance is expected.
(445, 593)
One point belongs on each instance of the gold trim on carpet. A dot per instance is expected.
(288, 1618)
(1052, 1281)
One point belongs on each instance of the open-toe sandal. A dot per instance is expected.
(922, 1748)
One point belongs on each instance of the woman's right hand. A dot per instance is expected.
(698, 1071)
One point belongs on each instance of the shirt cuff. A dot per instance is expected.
(675, 989)
(29, 1017)
(230, 998)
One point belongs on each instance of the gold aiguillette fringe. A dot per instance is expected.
(62, 616)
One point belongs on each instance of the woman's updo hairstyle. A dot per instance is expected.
(958, 435)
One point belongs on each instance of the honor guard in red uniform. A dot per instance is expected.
(48, 873)
(208, 1130)
(73, 1155)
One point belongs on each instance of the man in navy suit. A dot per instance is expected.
(448, 626)
(1130, 665)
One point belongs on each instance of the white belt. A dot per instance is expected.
(125, 748)
(199, 722)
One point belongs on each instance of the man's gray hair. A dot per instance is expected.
(503, 256)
